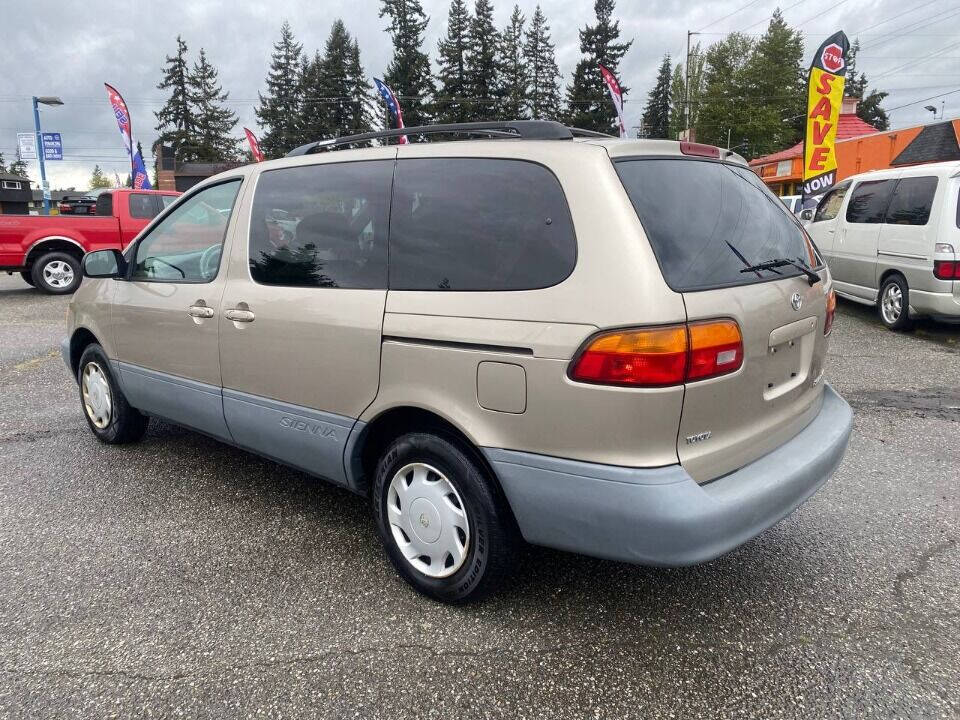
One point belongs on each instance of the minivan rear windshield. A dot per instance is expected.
(707, 221)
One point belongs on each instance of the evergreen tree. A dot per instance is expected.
(98, 179)
(359, 88)
(775, 84)
(656, 116)
(18, 167)
(3, 168)
(539, 55)
(514, 74)
(722, 106)
(482, 73)
(588, 103)
(279, 112)
(452, 50)
(315, 121)
(868, 109)
(213, 122)
(175, 120)
(678, 97)
(408, 73)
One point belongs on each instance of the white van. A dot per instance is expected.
(891, 239)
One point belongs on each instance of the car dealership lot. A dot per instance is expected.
(182, 577)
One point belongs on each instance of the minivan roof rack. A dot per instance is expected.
(521, 129)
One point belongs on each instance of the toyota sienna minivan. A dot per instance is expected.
(611, 347)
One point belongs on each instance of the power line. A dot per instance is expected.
(917, 102)
(758, 22)
(923, 59)
(729, 15)
(910, 29)
(894, 17)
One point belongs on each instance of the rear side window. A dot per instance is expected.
(167, 200)
(706, 221)
(141, 206)
(829, 206)
(105, 204)
(911, 201)
(478, 224)
(868, 203)
(322, 225)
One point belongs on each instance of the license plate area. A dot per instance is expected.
(789, 357)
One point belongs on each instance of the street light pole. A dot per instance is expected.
(43, 169)
(44, 100)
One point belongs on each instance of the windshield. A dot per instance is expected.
(707, 221)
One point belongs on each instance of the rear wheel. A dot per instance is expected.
(56, 273)
(109, 415)
(894, 303)
(445, 527)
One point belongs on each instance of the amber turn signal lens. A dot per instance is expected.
(716, 348)
(831, 311)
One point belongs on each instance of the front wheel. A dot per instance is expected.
(56, 273)
(894, 303)
(445, 527)
(109, 415)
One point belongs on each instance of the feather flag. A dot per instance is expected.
(616, 94)
(141, 181)
(254, 145)
(393, 105)
(824, 97)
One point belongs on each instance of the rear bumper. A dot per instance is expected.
(936, 304)
(660, 516)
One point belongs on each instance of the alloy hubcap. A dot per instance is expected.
(97, 398)
(891, 305)
(58, 274)
(428, 520)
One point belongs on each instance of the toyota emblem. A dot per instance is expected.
(796, 301)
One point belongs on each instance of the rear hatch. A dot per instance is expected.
(707, 221)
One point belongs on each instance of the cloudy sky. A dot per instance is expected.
(911, 49)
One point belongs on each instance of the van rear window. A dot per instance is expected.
(708, 220)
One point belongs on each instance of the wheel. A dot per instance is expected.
(445, 527)
(894, 303)
(27, 278)
(109, 415)
(56, 273)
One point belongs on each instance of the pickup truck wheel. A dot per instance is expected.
(109, 415)
(27, 278)
(56, 273)
(445, 528)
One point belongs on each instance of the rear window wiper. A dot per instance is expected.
(772, 265)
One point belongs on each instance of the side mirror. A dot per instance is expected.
(104, 264)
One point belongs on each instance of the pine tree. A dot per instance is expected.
(868, 109)
(18, 167)
(98, 179)
(213, 122)
(279, 112)
(3, 168)
(482, 73)
(722, 106)
(312, 122)
(540, 58)
(359, 88)
(775, 83)
(452, 50)
(656, 116)
(408, 73)
(514, 75)
(588, 103)
(175, 120)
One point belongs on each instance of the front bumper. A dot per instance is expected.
(660, 516)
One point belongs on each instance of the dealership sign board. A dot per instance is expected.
(27, 146)
(824, 98)
(52, 146)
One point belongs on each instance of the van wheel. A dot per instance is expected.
(56, 273)
(445, 528)
(894, 303)
(109, 415)
(27, 278)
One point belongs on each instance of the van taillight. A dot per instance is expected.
(946, 269)
(831, 311)
(660, 356)
(699, 149)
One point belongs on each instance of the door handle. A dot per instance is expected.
(200, 311)
(238, 315)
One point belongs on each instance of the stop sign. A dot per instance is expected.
(832, 58)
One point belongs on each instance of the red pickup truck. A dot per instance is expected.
(46, 249)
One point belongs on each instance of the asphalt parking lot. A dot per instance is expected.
(182, 578)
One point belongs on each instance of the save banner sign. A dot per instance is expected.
(824, 98)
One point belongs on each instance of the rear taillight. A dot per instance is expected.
(946, 269)
(831, 311)
(660, 356)
(63, 207)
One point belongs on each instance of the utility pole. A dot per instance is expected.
(686, 86)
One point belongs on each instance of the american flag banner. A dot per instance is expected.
(254, 145)
(393, 105)
(616, 94)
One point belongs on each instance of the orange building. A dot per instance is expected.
(861, 147)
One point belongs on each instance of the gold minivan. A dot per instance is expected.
(613, 347)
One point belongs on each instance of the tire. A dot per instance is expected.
(56, 273)
(109, 415)
(484, 529)
(893, 303)
(27, 278)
